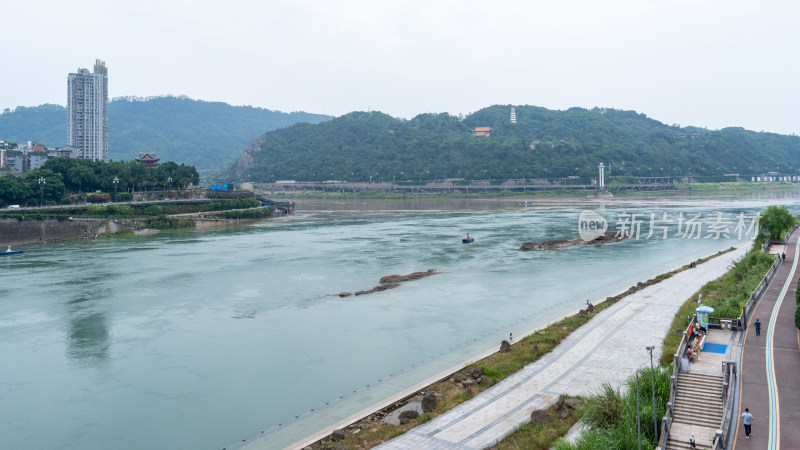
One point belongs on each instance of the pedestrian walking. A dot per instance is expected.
(758, 327)
(747, 420)
(783, 256)
(510, 337)
(691, 442)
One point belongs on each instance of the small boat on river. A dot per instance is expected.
(11, 252)
(468, 240)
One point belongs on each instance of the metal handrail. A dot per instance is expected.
(666, 422)
(730, 386)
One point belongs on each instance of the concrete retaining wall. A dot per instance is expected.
(14, 232)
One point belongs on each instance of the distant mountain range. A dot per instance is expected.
(539, 143)
(208, 135)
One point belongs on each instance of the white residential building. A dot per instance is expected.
(87, 112)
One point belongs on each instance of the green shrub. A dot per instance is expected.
(163, 222)
(610, 416)
(247, 213)
(797, 317)
(96, 211)
(797, 293)
(604, 409)
(153, 210)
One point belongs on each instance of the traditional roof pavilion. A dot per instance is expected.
(148, 159)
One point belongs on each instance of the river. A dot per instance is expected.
(197, 339)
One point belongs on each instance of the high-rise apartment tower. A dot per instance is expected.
(87, 112)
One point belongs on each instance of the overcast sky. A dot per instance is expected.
(708, 63)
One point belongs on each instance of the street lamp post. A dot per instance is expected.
(169, 183)
(42, 182)
(653, 391)
(116, 183)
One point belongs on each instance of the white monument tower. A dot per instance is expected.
(601, 182)
(513, 115)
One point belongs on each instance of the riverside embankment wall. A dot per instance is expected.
(15, 232)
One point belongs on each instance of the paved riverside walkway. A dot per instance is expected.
(770, 385)
(608, 348)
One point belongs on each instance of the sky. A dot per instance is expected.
(707, 63)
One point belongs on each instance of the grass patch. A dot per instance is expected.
(540, 437)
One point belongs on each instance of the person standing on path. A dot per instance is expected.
(758, 327)
(691, 442)
(747, 420)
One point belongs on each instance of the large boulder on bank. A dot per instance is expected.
(337, 435)
(574, 403)
(408, 415)
(429, 403)
(505, 346)
(540, 416)
(561, 408)
(476, 372)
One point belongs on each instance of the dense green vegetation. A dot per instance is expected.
(774, 223)
(208, 135)
(371, 145)
(727, 295)
(144, 209)
(611, 418)
(63, 176)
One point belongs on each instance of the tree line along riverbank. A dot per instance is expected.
(391, 190)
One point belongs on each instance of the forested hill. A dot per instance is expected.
(208, 135)
(541, 144)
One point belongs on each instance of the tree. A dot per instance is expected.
(13, 190)
(53, 188)
(775, 222)
(82, 176)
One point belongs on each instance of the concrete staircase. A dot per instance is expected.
(698, 410)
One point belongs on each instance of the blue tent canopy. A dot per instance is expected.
(705, 309)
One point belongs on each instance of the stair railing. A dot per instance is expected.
(730, 385)
(666, 421)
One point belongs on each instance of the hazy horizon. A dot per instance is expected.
(713, 64)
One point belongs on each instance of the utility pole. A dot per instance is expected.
(653, 390)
